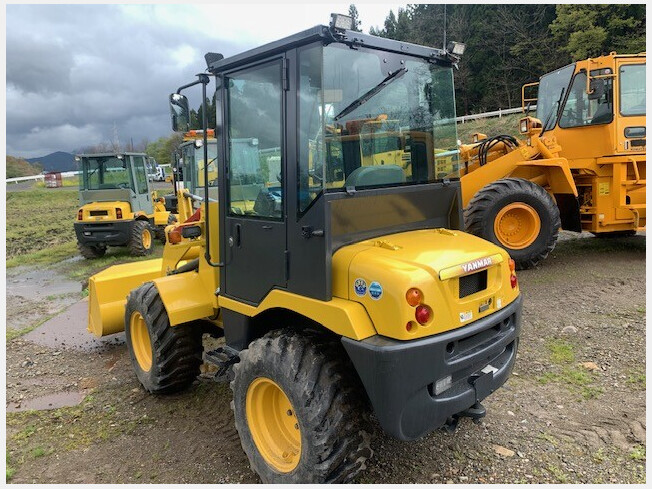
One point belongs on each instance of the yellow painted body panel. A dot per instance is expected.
(108, 291)
(187, 296)
(341, 316)
(428, 260)
(106, 211)
(596, 163)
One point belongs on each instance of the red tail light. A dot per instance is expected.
(80, 214)
(422, 314)
(118, 213)
(513, 281)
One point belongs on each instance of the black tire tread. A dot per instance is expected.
(334, 408)
(176, 353)
(481, 204)
(91, 252)
(135, 245)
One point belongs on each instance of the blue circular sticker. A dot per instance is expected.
(360, 287)
(375, 290)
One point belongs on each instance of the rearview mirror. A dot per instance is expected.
(179, 113)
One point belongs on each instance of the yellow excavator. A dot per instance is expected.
(580, 165)
(338, 287)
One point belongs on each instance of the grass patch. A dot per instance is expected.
(561, 351)
(578, 380)
(557, 473)
(636, 379)
(492, 126)
(637, 453)
(40, 220)
(38, 452)
(10, 470)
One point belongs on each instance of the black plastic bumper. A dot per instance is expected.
(112, 233)
(401, 377)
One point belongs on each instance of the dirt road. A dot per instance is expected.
(574, 410)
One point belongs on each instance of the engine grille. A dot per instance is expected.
(470, 284)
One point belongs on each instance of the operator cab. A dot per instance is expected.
(327, 138)
(112, 177)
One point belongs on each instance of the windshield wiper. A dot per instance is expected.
(552, 111)
(364, 98)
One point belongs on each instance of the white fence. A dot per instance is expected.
(41, 177)
(495, 113)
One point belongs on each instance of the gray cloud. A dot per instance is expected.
(75, 72)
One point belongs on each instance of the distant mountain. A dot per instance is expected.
(59, 161)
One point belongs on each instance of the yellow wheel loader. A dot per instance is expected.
(338, 288)
(580, 165)
(118, 207)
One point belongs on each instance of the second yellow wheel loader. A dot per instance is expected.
(580, 165)
(339, 288)
(118, 207)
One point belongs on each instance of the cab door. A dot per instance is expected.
(255, 217)
(143, 199)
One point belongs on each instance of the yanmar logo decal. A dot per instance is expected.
(474, 265)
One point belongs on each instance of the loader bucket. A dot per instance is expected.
(108, 291)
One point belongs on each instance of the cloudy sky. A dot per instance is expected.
(77, 74)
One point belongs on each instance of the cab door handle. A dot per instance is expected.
(237, 235)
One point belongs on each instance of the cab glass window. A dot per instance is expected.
(584, 109)
(254, 142)
(104, 172)
(141, 174)
(632, 90)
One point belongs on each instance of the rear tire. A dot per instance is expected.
(166, 358)
(517, 215)
(91, 252)
(299, 397)
(142, 241)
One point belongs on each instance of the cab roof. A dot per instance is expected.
(326, 35)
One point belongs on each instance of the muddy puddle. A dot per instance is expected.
(68, 331)
(39, 284)
(48, 401)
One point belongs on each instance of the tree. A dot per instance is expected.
(18, 167)
(591, 30)
(353, 13)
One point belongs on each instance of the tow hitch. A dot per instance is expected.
(475, 412)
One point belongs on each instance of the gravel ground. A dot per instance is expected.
(574, 410)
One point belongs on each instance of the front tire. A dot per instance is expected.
(141, 242)
(517, 215)
(298, 410)
(166, 358)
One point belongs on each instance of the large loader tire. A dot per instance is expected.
(166, 358)
(91, 252)
(299, 411)
(141, 242)
(518, 215)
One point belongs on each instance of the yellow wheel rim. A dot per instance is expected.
(273, 425)
(147, 239)
(140, 341)
(517, 225)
